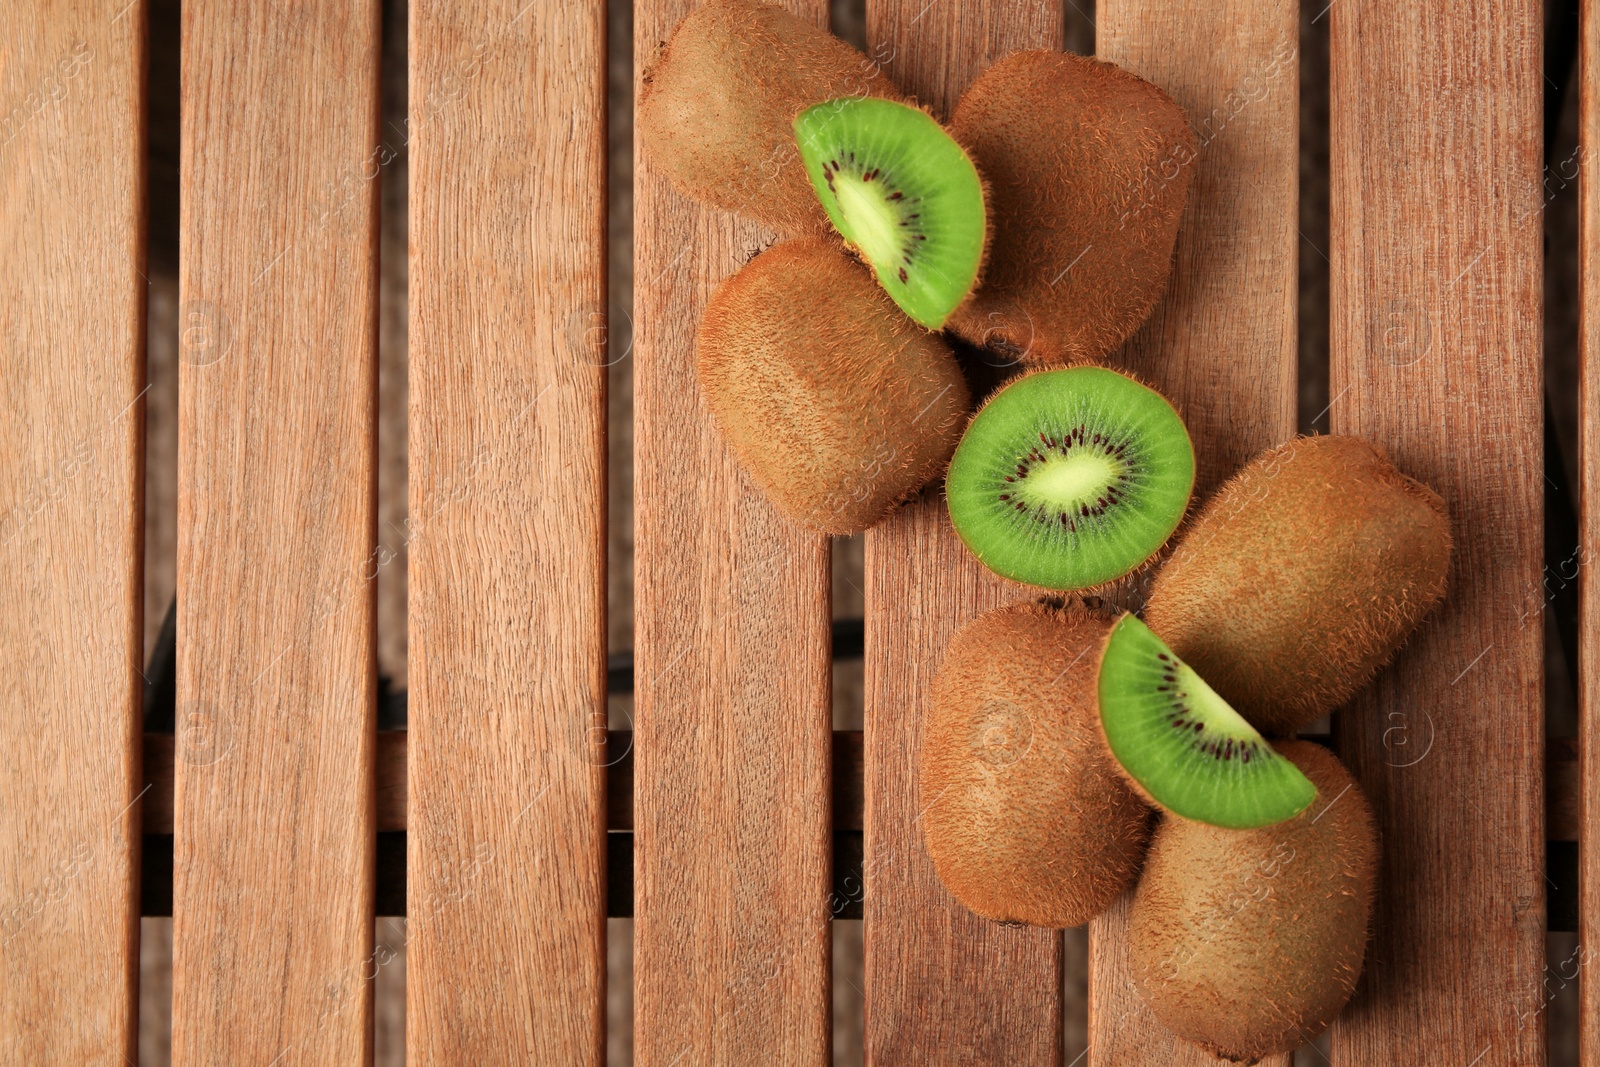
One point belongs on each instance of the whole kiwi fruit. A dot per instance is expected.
(1025, 815)
(836, 404)
(1249, 942)
(1301, 577)
(1088, 169)
(716, 109)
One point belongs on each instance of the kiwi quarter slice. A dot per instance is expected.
(903, 194)
(1181, 743)
(1070, 478)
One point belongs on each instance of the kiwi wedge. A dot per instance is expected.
(1249, 942)
(1070, 478)
(835, 404)
(1181, 743)
(716, 108)
(1302, 577)
(904, 196)
(1025, 815)
(1088, 169)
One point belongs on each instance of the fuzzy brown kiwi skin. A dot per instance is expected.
(838, 406)
(716, 108)
(1301, 578)
(1125, 587)
(1024, 814)
(1088, 168)
(1249, 942)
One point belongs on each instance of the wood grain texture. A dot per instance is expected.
(1221, 344)
(506, 935)
(1437, 197)
(72, 300)
(273, 837)
(1589, 538)
(942, 985)
(733, 718)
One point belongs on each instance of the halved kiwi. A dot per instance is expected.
(903, 194)
(1068, 479)
(1181, 743)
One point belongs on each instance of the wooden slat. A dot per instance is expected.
(506, 943)
(273, 849)
(1589, 538)
(942, 985)
(733, 715)
(1221, 344)
(1436, 194)
(71, 523)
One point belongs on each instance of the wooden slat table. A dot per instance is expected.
(1437, 201)
(941, 983)
(277, 781)
(1221, 345)
(71, 528)
(732, 683)
(506, 890)
(273, 837)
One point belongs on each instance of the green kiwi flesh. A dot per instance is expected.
(1025, 815)
(1249, 942)
(1070, 478)
(903, 194)
(1181, 743)
(1302, 577)
(716, 108)
(1088, 169)
(834, 403)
